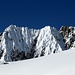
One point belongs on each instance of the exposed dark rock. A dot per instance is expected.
(16, 55)
(0, 34)
(5, 63)
(68, 36)
(1, 53)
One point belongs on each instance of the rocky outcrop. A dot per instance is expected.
(68, 34)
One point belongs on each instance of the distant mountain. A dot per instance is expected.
(19, 43)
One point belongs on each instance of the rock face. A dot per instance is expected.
(1, 52)
(20, 43)
(68, 34)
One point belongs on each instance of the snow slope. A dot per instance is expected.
(20, 43)
(62, 63)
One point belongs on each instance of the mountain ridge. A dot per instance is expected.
(19, 43)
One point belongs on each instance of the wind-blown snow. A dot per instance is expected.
(20, 43)
(62, 63)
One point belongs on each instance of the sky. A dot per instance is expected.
(37, 13)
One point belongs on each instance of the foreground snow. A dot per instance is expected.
(62, 63)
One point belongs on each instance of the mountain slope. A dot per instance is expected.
(20, 43)
(62, 63)
(49, 41)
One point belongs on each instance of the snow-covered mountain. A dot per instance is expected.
(49, 41)
(18, 43)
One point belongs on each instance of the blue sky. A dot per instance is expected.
(37, 13)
